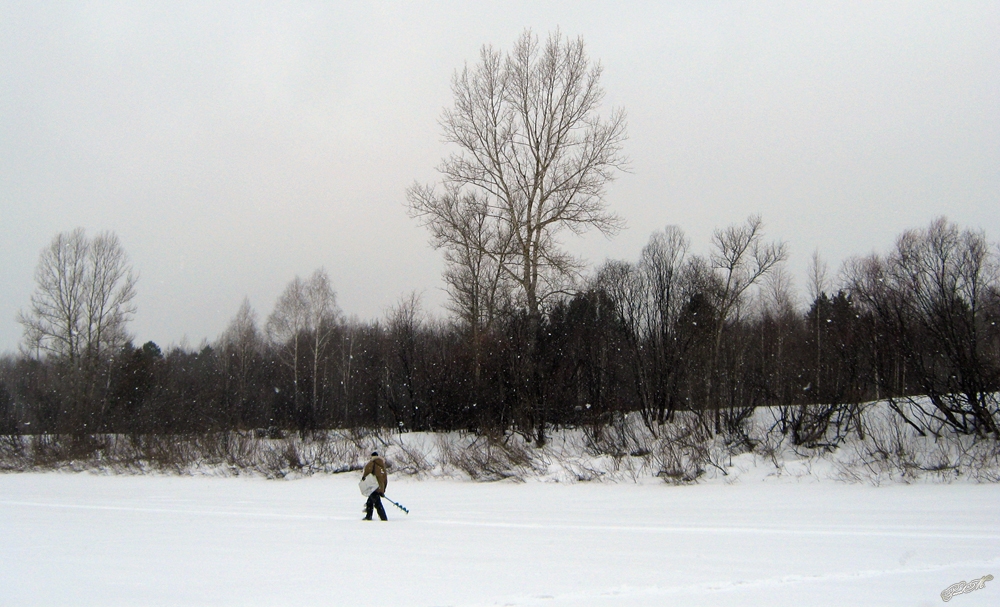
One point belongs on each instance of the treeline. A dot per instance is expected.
(669, 332)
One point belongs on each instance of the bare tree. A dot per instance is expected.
(817, 289)
(818, 279)
(535, 152)
(83, 299)
(932, 294)
(80, 311)
(662, 267)
(285, 327)
(778, 332)
(475, 253)
(740, 259)
(534, 161)
(474, 250)
(240, 346)
(403, 324)
(302, 324)
(322, 317)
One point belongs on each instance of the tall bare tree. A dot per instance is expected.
(80, 310)
(740, 258)
(302, 324)
(662, 265)
(240, 346)
(83, 299)
(661, 270)
(646, 298)
(285, 327)
(817, 290)
(534, 160)
(536, 154)
(321, 323)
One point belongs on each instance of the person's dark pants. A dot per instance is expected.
(375, 501)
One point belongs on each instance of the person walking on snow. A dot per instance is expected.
(376, 467)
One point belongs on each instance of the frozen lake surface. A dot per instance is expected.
(86, 539)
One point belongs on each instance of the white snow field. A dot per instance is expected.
(88, 539)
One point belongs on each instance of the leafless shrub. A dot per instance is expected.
(408, 459)
(981, 461)
(582, 471)
(680, 452)
(819, 426)
(628, 443)
(686, 449)
(882, 446)
(625, 435)
(336, 452)
(769, 443)
(737, 428)
(233, 449)
(487, 458)
(569, 457)
(222, 452)
(53, 451)
(894, 450)
(12, 452)
(166, 453)
(366, 440)
(321, 452)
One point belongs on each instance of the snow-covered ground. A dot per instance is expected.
(87, 539)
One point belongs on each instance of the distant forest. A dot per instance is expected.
(665, 333)
(536, 340)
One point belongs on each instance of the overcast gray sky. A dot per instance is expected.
(234, 145)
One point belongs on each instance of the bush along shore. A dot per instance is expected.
(871, 443)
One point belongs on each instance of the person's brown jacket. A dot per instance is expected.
(376, 466)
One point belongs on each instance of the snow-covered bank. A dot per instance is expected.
(86, 539)
(861, 443)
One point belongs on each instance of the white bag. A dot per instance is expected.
(368, 484)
